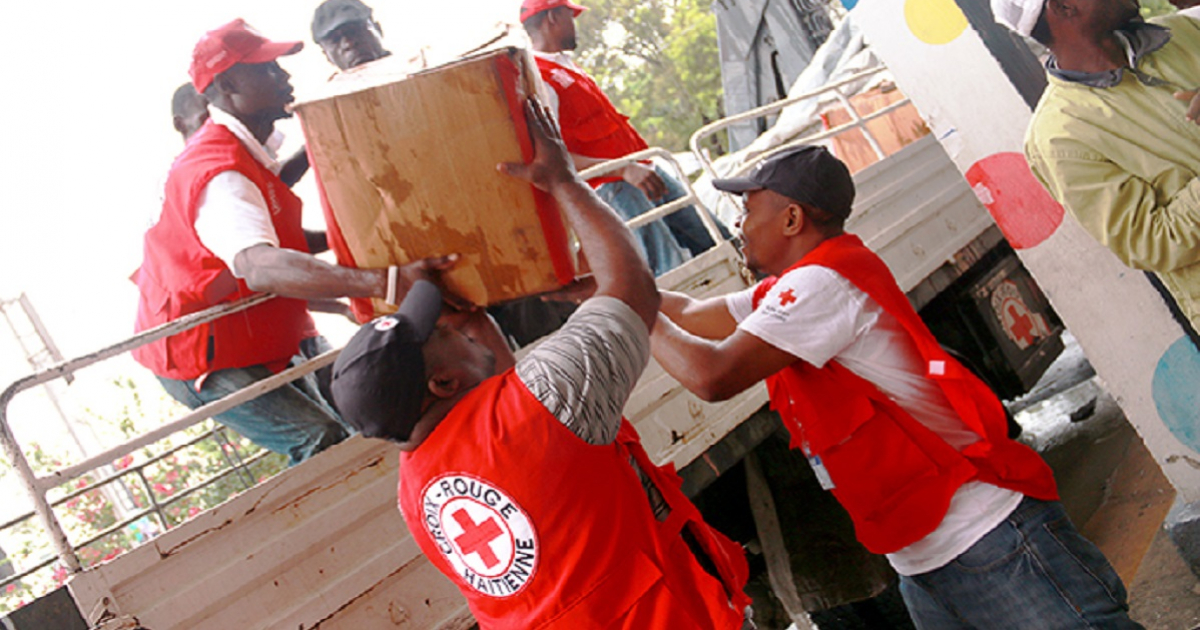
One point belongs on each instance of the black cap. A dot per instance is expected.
(809, 174)
(379, 377)
(334, 13)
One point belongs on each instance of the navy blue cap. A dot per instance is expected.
(379, 378)
(809, 174)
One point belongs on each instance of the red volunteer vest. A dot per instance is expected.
(591, 126)
(539, 529)
(893, 475)
(179, 275)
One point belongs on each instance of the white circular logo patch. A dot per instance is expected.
(485, 535)
(386, 323)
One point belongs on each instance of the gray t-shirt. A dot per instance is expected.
(585, 372)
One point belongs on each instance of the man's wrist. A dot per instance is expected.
(564, 184)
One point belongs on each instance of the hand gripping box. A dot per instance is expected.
(407, 170)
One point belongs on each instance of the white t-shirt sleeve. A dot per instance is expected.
(231, 216)
(811, 312)
(741, 304)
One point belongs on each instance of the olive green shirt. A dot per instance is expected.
(1123, 160)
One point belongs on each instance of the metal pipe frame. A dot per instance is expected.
(772, 108)
(856, 122)
(690, 199)
(37, 487)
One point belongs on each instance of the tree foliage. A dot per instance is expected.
(658, 62)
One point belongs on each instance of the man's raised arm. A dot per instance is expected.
(618, 269)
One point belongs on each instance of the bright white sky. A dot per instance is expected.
(86, 141)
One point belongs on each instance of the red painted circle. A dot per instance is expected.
(1023, 209)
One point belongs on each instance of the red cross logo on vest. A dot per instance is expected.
(487, 538)
(788, 296)
(477, 536)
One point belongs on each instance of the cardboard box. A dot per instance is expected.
(408, 169)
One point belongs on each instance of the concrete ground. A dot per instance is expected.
(1112, 488)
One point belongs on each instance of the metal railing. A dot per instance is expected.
(856, 121)
(38, 487)
(689, 199)
(157, 508)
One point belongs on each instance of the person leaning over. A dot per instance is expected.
(520, 480)
(1112, 138)
(230, 227)
(911, 443)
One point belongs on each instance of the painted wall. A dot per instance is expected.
(1141, 353)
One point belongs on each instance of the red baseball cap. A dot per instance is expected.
(530, 8)
(236, 42)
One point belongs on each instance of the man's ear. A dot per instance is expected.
(793, 219)
(443, 384)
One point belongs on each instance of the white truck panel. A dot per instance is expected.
(298, 551)
(916, 211)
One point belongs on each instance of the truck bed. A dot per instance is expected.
(323, 545)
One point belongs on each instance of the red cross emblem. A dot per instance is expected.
(1022, 324)
(476, 536)
(787, 297)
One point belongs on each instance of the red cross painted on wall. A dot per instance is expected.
(476, 536)
(788, 296)
(1022, 324)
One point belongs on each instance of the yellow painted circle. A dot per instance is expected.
(934, 22)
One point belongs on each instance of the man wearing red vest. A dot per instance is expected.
(911, 443)
(519, 479)
(230, 227)
(595, 132)
(189, 110)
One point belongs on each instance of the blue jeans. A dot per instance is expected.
(666, 243)
(1034, 570)
(294, 420)
(685, 225)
